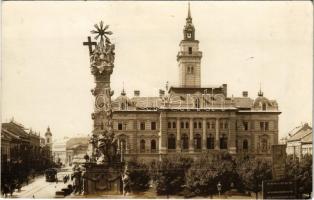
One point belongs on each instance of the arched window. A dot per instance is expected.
(198, 142)
(223, 142)
(264, 145)
(186, 124)
(153, 145)
(210, 142)
(245, 145)
(264, 106)
(197, 103)
(123, 106)
(142, 146)
(171, 141)
(185, 141)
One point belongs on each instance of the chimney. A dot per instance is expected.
(245, 94)
(136, 93)
(161, 93)
(224, 86)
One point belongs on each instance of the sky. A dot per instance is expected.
(45, 74)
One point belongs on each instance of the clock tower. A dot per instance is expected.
(189, 57)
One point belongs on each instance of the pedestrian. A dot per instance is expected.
(33, 196)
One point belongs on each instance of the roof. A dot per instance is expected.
(15, 129)
(301, 133)
(193, 90)
(243, 102)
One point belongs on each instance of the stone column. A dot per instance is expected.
(204, 135)
(191, 142)
(217, 143)
(178, 141)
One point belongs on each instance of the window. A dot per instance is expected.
(221, 125)
(226, 125)
(264, 145)
(153, 125)
(223, 142)
(47, 140)
(208, 125)
(246, 126)
(185, 142)
(119, 126)
(182, 124)
(142, 146)
(169, 124)
(186, 124)
(199, 124)
(266, 126)
(192, 70)
(197, 103)
(174, 125)
(245, 145)
(153, 145)
(261, 124)
(213, 125)
(171, 141)
(122, 106)
(264, 106)
(195, 124)
(190, 50)
(210, 142)
(142, 125)
(197, 141)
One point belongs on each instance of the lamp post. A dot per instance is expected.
(219, 188)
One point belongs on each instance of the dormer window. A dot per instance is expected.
(264, 106)
(190, 50)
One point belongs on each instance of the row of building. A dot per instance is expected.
(299, 141)
(23, 151)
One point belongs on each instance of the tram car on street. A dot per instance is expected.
(51, 175)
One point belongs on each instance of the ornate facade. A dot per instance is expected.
(191, 119)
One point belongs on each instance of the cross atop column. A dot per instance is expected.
(90, 44)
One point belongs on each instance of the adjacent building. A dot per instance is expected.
(76, 149)
(192, 119)
(22, 152)
(300, 141)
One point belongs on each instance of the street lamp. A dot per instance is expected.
(219, 188)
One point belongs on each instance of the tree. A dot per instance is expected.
(253, 172)
(170, 176)
(211, 169)
(139, 176)
(301, 172)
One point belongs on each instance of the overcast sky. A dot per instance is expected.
(46, 78)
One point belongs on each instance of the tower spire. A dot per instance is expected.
(189, 11)
(260, 93)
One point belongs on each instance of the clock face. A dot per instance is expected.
(100, 101)
(189, 35)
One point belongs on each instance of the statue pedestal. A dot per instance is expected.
(102, 178)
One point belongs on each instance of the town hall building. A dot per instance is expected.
(190, 119)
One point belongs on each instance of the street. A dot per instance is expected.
(39, 188)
